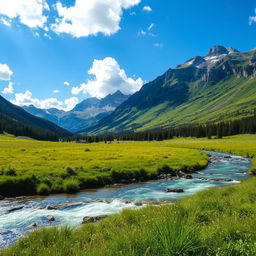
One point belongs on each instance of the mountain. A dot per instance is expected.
(85, 114)
(218, 86)
(16, 120)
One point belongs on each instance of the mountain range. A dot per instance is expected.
(216, 87)
(15, 120)
(84, 114)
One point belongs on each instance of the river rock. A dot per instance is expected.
(227, 157)
(89, 219)
(1, 197)
(50, 218)
(33, 225)
(175, 190)
(64, 205)
(15, 209)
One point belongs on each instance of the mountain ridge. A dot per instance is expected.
(84, 114)
(223, 87)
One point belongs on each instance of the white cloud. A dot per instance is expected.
(56, 91)
(8, 89)
(66, 83)
(29, 12)
(6, 22)
(109, 78)
(26, 99)
(147, 32)
(91, 17)
(158, 45)
(147, 9)
(142, 33)
(150, 26)
(5, 72)
(252, 19)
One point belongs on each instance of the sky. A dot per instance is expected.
(55, 53)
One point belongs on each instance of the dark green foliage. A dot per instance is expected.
(43, 189)
(71, 186)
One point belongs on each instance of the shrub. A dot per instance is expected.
(87, 150)
(70, 170)
(43, 189)
(164, 169)
(71, 186)
(10, 172)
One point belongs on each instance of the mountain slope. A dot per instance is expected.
(85, 114)
(13, 116)
(219, 86)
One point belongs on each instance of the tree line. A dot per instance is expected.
(17, 128)
(216, 130)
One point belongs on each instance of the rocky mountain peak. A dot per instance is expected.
(217, 50)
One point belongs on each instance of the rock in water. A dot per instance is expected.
(1, 197)
(89, 219)
(175, 190)
(50, 218)
(33, 225)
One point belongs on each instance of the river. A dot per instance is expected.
(18, 213)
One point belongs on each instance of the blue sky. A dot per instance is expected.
(45, 49)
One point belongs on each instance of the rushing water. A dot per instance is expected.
(15, 224)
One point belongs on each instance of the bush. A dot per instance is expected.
(43, 189)
(71, 186)
(87, 150)
(165, 169)
(10, 172)
(70, 170)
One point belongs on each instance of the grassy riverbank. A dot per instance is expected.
(37, 167)
(219, 221)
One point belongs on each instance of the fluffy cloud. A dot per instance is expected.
(56, 91)
(91, 17)
(5, 72)
(147, 9)
(109, 78)
(252, 19)
(5, 22)
(66, 83)
(26, 99)
(29, 12)
(8, 89)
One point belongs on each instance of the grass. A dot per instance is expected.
(215, 222)
(30, 166)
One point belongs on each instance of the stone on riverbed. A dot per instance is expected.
(33, 225)
(15, 209)
(50, 218)
(89, 219)
(1, 197)
(174, 190)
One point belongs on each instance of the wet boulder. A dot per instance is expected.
(50, 218)
(33, 225)
(174, 190)
(94, 219)
(1, 197)
(15, 209)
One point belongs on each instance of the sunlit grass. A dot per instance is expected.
(93, 165)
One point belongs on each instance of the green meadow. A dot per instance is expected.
(215, 222)
(37, 167)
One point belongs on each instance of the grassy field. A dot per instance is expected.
(30, 166)
(216, 222)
